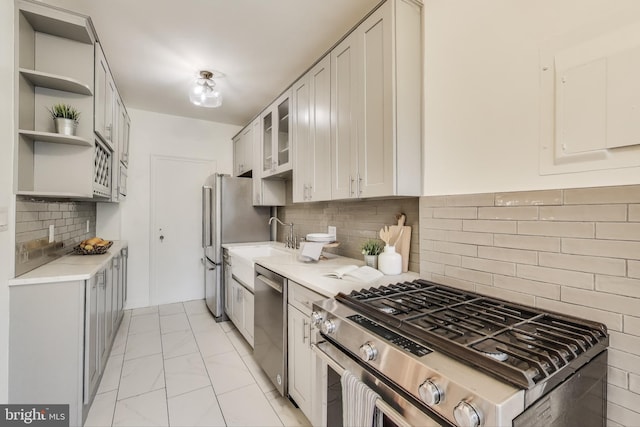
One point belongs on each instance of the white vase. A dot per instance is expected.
(389, 261)
(371, 260)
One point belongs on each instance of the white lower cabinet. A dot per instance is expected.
(301, 360)
(239, 307)
(60, 337)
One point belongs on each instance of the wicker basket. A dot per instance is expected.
(98, 250)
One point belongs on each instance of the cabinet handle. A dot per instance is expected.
(310, 188)
(108, 129)
(359, 186)
(304, 330)
(351, 185)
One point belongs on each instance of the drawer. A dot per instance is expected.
(302, 298)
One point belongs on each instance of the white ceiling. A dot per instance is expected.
(155, 48)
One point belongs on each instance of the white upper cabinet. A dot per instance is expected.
(276, 141)
(311, 134)
(243, 151)
(105, 100)
(266, 192)
(376, 106)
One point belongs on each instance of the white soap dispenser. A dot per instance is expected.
(389, 261)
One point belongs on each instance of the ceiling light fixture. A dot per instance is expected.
(203, 92)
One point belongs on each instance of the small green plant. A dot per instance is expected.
(64, 111)
(372, 247)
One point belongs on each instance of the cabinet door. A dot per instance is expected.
(344, 117)
(238, 304)
(124, 151)
(108, 308)
(246, 148)
(375, 127)
(91, 336)
(300, 138)
(238, 154)
(104, 98)
(282, 154)
(249, 300)
(268, 162)
(228, 291)
(102, 315)
(299, 362)
(319, 152)
(115, 294)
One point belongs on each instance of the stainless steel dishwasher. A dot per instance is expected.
(270, 326)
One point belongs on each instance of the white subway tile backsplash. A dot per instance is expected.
(513, 213)
(575, 279)
(618, 377)
(633, 269)
(584, 213)
(517, 297)
(557, 228)
(632, 325)
(619, 286)
(529, 198)
(589, 264)
(634, 383)
(535, 243)
(634, 212)
(618, 231)
(624, 342)
(531, 287)
(504, 254)
(468, 274)
(469, 237)
(456, 212)
(612, 320)
(601, 300)
(455, 248)
(490, 226)
(603, 195)
(606, 248)
(490, 266)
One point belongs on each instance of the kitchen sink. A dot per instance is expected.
(242, 260)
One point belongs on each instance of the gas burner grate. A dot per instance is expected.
(519, 344)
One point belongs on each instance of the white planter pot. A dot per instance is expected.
(389, 261)
(371, 261)
(65, 126)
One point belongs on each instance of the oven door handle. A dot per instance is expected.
(390, 412)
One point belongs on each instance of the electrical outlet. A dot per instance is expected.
(52, 230)
(331, 230)
(87, 226)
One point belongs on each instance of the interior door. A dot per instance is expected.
(176, 217)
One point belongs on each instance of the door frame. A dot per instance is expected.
(155, 159)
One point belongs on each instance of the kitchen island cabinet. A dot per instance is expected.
(63, 320)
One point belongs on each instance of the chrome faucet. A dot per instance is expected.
(291, 241)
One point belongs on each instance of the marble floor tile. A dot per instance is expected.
(286, 411)
(227, 326)
(168, 309)
(174, 323)
(111, 377)
(144, 310)
(261, 378)
(144, 323)
(195, 306)
(240, 343)
(184, 374)
(214, 342)
(119, 342)
(227, 372)
(203, 322)
(141, 375)
(149, 409)
(143, 344)
(235, 408)
(178, 344)
(194, 409)
(102, 408)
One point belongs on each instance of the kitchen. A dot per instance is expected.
(558, 235)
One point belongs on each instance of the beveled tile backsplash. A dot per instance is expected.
(574, 251)
(33, 218)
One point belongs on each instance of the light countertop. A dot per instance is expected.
(312, 274)
(69, 267)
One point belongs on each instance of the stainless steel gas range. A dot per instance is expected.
(437, 355)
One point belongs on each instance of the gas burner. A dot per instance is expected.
(498, 355)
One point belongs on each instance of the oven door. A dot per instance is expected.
(397, 410)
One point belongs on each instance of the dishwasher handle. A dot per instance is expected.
(269, 282)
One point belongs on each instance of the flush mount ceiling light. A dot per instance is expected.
(203, 92)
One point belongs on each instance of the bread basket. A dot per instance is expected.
(97, 250)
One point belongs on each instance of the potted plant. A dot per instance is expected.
(371, 249)
(65, 118)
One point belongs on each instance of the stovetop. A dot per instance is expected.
(521, 345)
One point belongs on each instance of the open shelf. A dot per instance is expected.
(53, 81)
(53, 194)
(57, 22)
(55, 138)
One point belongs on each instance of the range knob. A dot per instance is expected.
(430, 392)
(316, 319)
(368, 351)
(466, 415)
(327, 327)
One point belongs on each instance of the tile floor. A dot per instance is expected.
(173, 365)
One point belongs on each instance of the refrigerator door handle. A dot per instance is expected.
(206, 216)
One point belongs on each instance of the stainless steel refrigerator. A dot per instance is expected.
(228, 216)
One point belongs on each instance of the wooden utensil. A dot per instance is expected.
(385, 235)
(401, 238)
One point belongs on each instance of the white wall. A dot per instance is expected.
(482, 91)
(158, 134)
(7, 200)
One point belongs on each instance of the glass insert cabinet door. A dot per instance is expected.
(276, 140)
